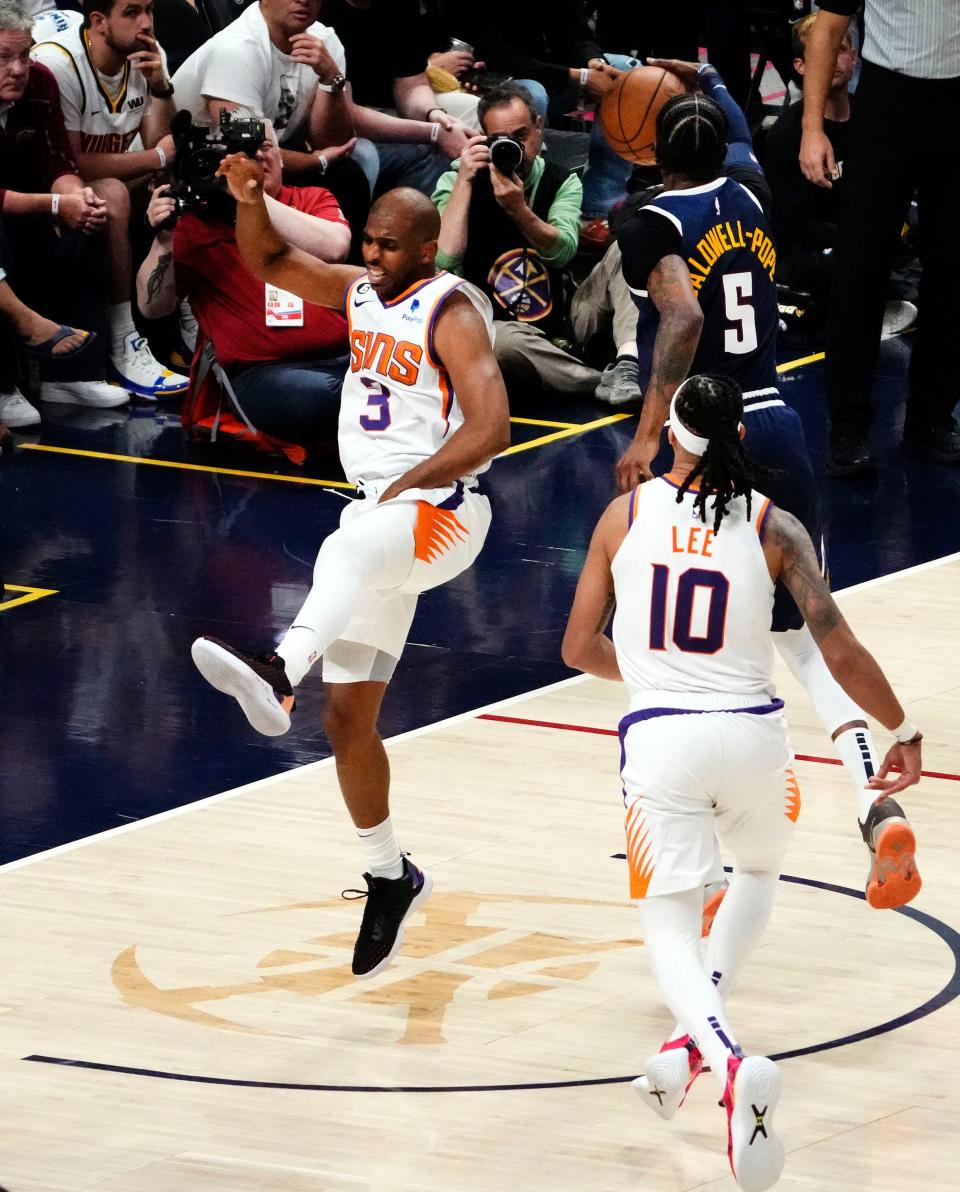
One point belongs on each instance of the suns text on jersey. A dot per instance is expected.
(374, 351)
(726, 237)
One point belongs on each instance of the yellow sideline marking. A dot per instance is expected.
(791, 364)
(563, 434)
(169, 463)
(543, 422)
(30, 594)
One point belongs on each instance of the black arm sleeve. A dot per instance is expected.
(645, 239)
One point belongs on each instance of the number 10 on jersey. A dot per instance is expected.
(715, 588)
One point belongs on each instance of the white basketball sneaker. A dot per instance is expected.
(756, 1153)
(100, 394)
(139, 372)
(16, 411)
(668, 1075)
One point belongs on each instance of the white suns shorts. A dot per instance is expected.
(689, 776)
(447, 528)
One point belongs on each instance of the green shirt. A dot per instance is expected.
(564, 215)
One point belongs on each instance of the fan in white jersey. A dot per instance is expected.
(423, 412)
(115, 88)
(690, 561)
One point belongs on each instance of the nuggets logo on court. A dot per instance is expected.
(521, 284)
(463, 958)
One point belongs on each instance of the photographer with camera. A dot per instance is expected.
(510, 222)
(114, 88)
(284, 360)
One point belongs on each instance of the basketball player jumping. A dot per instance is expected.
(423, 412)
(699, 258)
(691, 561)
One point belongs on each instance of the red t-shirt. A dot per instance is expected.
(229, 302)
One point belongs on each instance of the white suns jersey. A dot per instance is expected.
(693, 606)
(106, 112)
(398, 406)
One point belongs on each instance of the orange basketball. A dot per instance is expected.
(628, 112)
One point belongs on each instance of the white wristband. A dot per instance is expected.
(54, 205)
(584, 75)
(323, 163)
(905, 732)
(435, 133)
(160, 153)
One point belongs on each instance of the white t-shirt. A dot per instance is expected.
(106, 110)
(241, 65)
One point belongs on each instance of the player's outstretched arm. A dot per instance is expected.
(674, 348)
(265, 252)
(791, 557)
(462, 345)
(585, 645)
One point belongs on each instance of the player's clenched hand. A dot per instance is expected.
(816, 159)
(244, 177)
(687, 72)
(906, 759)
(634, 466)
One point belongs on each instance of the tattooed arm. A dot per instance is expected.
(585, 646)
(674, 348)
(156, 291)
(791, 558)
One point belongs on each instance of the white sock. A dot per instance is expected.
(628, 349)
(121, 325)
(671, 937)
(373, 551)
(381, 853)
(833, 707)
(859, 758)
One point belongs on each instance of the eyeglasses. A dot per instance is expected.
(8, 59)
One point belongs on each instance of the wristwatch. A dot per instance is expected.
(336, 84)
(165, 93)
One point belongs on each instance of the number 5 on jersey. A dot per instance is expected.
(695, 585)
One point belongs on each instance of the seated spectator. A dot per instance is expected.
(277, 61)
(392, 102)
(284, 360)
(53, 252)
(805, 216)
(114, 88)
(511, 234)
(550, 43)
(24, 329)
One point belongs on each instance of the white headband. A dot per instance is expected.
(695, 444)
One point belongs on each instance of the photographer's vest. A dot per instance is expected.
(510, 272)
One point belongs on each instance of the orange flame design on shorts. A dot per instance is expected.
(793, 797)
(435, 532)
(639, 852)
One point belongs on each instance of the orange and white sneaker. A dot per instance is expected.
(756, 1153)
(713, 894)
(258, 682)
(894, 879)
(668, 1075)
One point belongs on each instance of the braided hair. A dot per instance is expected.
(691, 136)
(712, 407)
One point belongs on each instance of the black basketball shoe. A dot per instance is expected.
(389, 903)
(257, 682)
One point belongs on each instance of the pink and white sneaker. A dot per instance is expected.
(668, 1075)
(756, 1153)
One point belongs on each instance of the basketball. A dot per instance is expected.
(628, 112)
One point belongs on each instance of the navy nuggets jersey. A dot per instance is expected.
(720, 231)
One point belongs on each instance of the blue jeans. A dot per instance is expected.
(388, 165)
(605, 181)
(294, 400)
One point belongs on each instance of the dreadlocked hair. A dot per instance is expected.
(691, 136)
(712, 407)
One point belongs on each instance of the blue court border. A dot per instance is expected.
(944, 997)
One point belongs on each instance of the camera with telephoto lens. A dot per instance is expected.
(200, 150)
(505, 153)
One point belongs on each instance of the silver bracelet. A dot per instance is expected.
(54, 205)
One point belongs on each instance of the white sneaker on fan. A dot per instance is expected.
(16, 411)
(139, 372)
(100, 394)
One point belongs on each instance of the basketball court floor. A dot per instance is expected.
(176, 1008)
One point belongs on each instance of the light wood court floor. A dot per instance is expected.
(214, 945)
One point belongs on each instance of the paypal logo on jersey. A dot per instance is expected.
(413, 316)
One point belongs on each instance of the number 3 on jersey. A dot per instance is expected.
(742, 337)
(377, 415)
(695, 579)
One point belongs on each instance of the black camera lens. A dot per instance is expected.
(505, 153)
